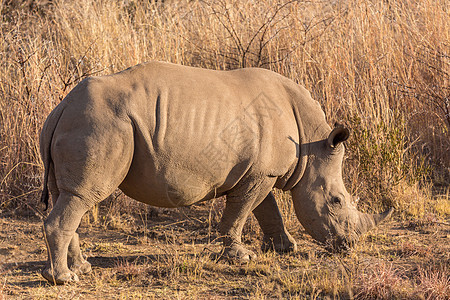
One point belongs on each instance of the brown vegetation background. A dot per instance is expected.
(383, 67)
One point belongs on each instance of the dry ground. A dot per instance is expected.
(175, 254)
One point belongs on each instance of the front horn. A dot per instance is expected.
(378, 218)
(368, 221)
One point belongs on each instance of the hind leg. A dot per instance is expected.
(91, 156)
(59, 230)
(76, 262)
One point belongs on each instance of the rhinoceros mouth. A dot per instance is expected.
(342, 245)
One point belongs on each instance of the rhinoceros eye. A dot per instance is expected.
(336, 200)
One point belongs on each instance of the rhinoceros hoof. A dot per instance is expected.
(237, 252)
(83, 268)
(59, 278)
(281, 244)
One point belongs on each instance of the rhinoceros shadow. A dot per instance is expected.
(27, 269)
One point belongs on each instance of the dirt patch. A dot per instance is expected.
(177, 255)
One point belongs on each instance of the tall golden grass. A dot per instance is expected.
(381, 66)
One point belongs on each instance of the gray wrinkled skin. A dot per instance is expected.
(170, 136)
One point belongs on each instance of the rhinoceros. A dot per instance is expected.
(170, 136)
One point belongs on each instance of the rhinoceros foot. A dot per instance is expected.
(237, 252)
(281, 243)
(81, 268)
(59, 277)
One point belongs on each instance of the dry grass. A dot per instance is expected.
(381, 66)
(168, 260)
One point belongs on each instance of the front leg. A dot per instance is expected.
(276, 237)
(233, 220)
(240, 202)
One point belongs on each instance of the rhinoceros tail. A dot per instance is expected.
(45, 142)
(44, 195)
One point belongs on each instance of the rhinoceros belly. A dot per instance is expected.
(174, 184)
(165, 189)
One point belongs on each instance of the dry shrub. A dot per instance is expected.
(380, 281)
(407, 248)
(381, 66)
(383, 280)
(433, 283)
(127, 271)
(442, 205)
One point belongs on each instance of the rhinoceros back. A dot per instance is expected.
(199, 132)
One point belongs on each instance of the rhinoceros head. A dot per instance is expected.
(322, 204)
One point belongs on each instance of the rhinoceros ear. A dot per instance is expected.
(339, 134)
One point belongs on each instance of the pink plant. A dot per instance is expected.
(433, 284)
(379, 281)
